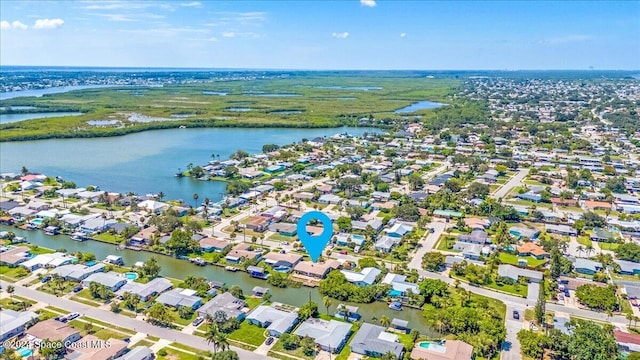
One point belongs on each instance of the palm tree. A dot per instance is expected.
(327, 303)
(384, 321)
(635, 320)
(160, 195)
(589, 249)
(10, 290)
(195, 199)
(212, 335)
(629, 317)
(221, 341)
(580, 249)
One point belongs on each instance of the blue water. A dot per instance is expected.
(24, 352)
(11, 118)
(147, 162)
(131, 275)
(40, 92)
(420, 105)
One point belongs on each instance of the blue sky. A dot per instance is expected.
(353, 34)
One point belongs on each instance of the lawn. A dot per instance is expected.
(172, 354)
(13, 274)
(584, 241)
(15, 304)
(253, 302)
(445, 243)
(512, 259)
(250, 334)
(608, 246)
(297, 353)
(110, 238)
(184, 322)
(521, 290)
(37, 250)
(143, 342)
(44, 314)
(50, 287)
(280, 238)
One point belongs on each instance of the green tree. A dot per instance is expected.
(52, 349)
(289, 341)
(236, 291)
(433, 261)
(225, 355)
(308, 310)
(539, 309)
(159, 314)
(326, 301)
(308, 345)
(385, 321)
(151, 269)
(344, 223)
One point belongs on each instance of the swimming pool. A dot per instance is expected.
(37, 221)
(131, 275)
(433, 346)
(24, 352)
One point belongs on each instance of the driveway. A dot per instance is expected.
(511, 345)
(532, 291)
(427, 243)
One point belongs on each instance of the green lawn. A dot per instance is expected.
(15, 303)
(280, 238)
(37, 250)
(44, 314)
(143, 342)
(13, 274)
(173, 354)
(184, 322)
(520, 291)
(445, 243)
(297, 353)
(50, 287)
(253, 302)
(584, 241)
(250, 334)
(608, 246)
(512, 259)
(114, 239)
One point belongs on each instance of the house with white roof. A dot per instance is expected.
(399, 285)
(276, 320)
(365, 277)
(329, 335)
(373, 340)
(13, 323)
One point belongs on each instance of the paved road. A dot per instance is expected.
(126, 322)
(511, 345)
(428, 242)
(516, 180)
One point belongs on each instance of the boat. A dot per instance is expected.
(78, 236)
(198, 261)
(231, 268)
(396, 305)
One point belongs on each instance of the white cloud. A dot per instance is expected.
(368, 3)
(342, 35)
(228, 34)
(192, 4)
(213, 39)
(118, 5)
(48, 23)
(403, 35)
(5, 25)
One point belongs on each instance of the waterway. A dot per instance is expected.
(179, 269)
(11, 118)
(146, 162)
(420, 105)
(53, 90)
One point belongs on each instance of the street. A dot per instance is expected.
(516, 180)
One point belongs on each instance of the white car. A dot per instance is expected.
(73, 316)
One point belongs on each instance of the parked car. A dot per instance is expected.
(45, 279)
(343, 252)
(197, 321)
(285, 243)
(516, 315)
(73, 315)
(77, 288)
(269, 340)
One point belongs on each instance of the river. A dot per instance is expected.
(11, 118)
(146, 162)
(178, 269)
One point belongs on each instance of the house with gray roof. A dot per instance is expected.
(628, 267)
(138, 353)
(373, 340)
(13, 323)
(112, 280)
(513, 273)
(386, 243)
(146, 291)
(231, 305)
(561, 229)
(275, 320)
(586, 266)
(77, 272)
(180, 297)
(329, 335)
(477, 236)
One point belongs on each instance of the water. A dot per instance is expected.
(146, 162)
(239, 109)
(17, 107)
(420, 105)
(53, 90)
(276, 95)
(179, 269)
(359, 88)
(285, 112)
(219, 93)
(11, 118)
(102, 122)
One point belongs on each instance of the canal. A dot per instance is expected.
(179, 269)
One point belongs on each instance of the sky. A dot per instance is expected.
(347, 34)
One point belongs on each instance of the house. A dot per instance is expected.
(529, 196)
(626, 341)
(513, 273)
(315, 270)
(85, 349)
(15, 256)
(524, 232)
(628, 267)
(47, 261)
(284, 229)
(386, 243)
(469, 250)
(13, 323)
(347, 312)
(564, 230)
(282, 262)
(229, 304)
(241, 250)
(143, 236)
(447, 214)
(399, 286)
(633, 292)
(257, 272)
(112, 280)
(146, 291)
(53, 330)
(209, 244)
(258, 223)
(601, 235)
(328, 335)
(329, 199)
(152, 206)
(366, 277)
(274, 318)
(180, 297)
(586, 266)
(138, 353)
(443, 350)
(531, 249)
(398, 230)
(373, 340)
(77, 272)
(477, 236)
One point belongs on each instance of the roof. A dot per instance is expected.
(15, 255)
(111, 279)
(51, 329)
(277, 320)
(86, 350)
(177, 297)
(587, 264)
(447, 350)
(477, 236)
(561, 228)
(513, 272)
(137, 353)
(386, 242)
(77, 271)
(626, 338)
(529, 247)
(329, 334)
(368, 275)
(226, 302)
(398, 283)
(11, 320)
(399, 322)
(155, 286)
(373, 339)
(318, 269)
(273, 258)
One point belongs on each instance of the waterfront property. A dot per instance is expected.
(229, 304)
(442, 350)
(77, 272)
(373, 340)
(177, 298)
(112, 280)
(145, 291)
(365, 277)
